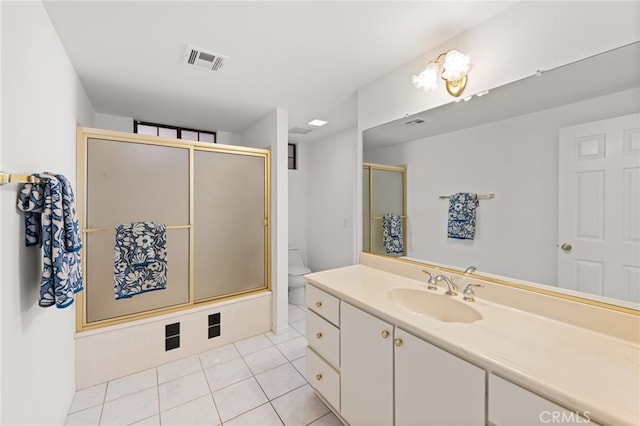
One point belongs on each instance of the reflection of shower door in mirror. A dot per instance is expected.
(383, 193)
(599, 208)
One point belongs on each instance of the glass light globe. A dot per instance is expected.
(428, 78)
(456, 65)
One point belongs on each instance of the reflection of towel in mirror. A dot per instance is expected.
(139, 258)
(51, 222)
(462, 216)
(392, 233)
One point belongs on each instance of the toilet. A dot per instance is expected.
(297, 269)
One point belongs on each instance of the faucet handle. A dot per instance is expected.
(431, 283)
(468, 293)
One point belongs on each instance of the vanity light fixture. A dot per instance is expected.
(316, 122)
(452, 66)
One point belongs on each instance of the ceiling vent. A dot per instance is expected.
(299, 131)
(197, 57)
(415, 121)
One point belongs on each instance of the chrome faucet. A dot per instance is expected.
(451, 286)
(468, 293)
(470, 270)
(431, 283)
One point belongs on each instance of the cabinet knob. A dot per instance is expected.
(318, 377)
(318, 335)
(397, 342)
(318, 304)
(385, 334)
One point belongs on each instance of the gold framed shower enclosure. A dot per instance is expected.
(384, 192)
(214, 200)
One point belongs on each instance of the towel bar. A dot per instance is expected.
(16, 178)
(488, 196)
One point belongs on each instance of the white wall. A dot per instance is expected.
(117, 123)
(517, 159)
(331, 201)
(42, 101)
(271, 132)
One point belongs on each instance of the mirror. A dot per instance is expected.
(507, 142)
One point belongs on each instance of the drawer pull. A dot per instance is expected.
(318, 304)
(318, 335)
(318, 377)
(397, 342)
(384, 334)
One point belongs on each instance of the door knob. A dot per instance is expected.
(318, 335)
(566, 247)
(385, 334)
(397, 342)
(318, 377)
(318, 304)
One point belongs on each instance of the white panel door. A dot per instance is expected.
(599, 208)
(366, 368)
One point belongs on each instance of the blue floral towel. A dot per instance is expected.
(51, 222)
(392, 233)
(140, 258)
(462, 216)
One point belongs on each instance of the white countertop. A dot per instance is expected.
(575, 367)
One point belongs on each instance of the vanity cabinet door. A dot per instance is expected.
(366, 368)
(433, 387)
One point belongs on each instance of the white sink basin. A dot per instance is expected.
(435, 305)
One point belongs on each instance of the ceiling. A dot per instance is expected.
(609, 72)
(306, 57)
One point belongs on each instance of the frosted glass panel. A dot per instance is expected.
(143, 129)
(100, 299)
(206, 137)
(366, 231)
(229, 242)
(189, 135)
(168, 133)
(132, 182)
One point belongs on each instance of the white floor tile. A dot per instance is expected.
(300, 364)
(182, 390)
(253, 344)
(296, 315)
(293, 349)
(131, 384)
(280, 380)
(290, 333)
(227, 373)
(149, 421)
(89, 397)
(199, 412)
(299, 325)
(179, 368)
(264, 415)
(299, 407)
(88, 417)
(238, 398)
(131, 408)
(219, 355)
(264, 359)
(327, 420)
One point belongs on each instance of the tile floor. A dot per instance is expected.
(254, 382)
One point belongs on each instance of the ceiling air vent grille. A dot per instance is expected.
(197, 57)
(299, 131)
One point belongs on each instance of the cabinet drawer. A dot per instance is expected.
(511, 405)
(324, 378)
(324, 304)
(324, 338)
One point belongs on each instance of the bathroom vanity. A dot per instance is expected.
(383, 349)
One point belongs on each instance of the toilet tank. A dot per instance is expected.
(295, 257)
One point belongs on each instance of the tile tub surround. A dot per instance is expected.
(576, 367)
(107, 353)
(255, 381)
